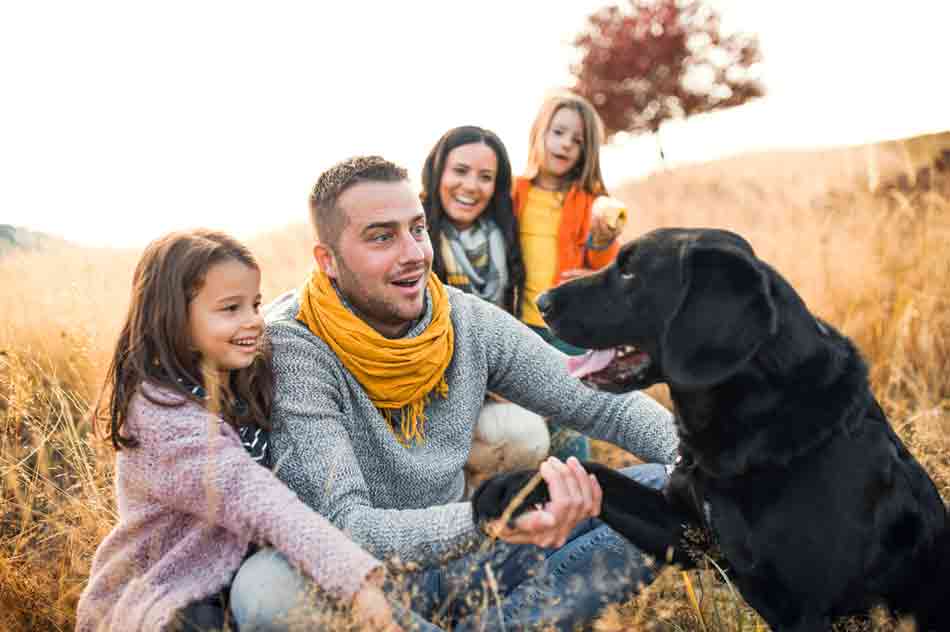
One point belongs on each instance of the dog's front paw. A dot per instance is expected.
(494, 495)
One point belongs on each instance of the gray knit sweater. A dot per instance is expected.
(334, 448)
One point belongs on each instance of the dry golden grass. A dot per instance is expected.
(877, 265)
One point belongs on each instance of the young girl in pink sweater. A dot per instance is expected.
(188, 396)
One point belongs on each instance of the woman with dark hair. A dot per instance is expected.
(466, 194)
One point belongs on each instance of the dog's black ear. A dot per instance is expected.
(725, 313)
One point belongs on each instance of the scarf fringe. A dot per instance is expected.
(412, 417)
(399, 375)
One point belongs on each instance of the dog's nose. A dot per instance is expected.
(544, 302)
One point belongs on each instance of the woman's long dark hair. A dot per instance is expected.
(500, 208)
(154, 342)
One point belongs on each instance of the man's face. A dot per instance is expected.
(383, 257)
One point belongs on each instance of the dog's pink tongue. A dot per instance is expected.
(591, 362)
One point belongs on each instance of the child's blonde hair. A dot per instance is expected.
(586, 173)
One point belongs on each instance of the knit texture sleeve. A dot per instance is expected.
(191, 461)
(318, 444)
(531, 373)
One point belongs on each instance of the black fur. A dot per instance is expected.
(787, 460)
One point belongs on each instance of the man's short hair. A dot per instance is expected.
(328, 219)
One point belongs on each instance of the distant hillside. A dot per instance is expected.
(794, 178)
(13, 237)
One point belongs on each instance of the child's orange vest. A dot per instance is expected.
(572, 233)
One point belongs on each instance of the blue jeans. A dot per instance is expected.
(558, 587)
(539, 587)
(270, 595)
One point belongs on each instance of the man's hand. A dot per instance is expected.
(575, 497)
(371, 608)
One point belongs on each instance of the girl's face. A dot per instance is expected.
(563, 142)
(224, 320)
(468, 183)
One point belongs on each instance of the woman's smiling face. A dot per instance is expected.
(468, 183)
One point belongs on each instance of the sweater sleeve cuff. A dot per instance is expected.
(590, 244)
(353, 579)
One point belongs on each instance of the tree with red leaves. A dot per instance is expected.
(657, 60)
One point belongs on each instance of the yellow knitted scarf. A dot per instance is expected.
(400, 374)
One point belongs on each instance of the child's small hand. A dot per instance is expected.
(609, 215)
(371, 608)
(601, 233)
(612, 210)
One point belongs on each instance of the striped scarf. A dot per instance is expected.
(474, 260)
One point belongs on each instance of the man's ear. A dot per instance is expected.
(725, 313)
(325, 259)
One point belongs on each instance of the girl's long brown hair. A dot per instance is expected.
(586, 173)
(154, 344)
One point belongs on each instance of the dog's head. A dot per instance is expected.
(683, 306)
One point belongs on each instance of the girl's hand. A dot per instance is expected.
(607, 222)
(602, 234)
(371, 609)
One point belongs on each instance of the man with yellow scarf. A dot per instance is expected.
(381, 372)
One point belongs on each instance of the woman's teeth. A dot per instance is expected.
(246, 342)
(467, 201)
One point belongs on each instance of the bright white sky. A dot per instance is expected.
(122, 120)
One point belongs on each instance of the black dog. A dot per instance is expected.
(787, 462)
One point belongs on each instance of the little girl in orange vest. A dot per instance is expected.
(563, 233)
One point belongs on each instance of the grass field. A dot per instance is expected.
(876, 265)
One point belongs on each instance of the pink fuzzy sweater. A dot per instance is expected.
(190, 499)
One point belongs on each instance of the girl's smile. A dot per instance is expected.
(224, 317)
(248, 344)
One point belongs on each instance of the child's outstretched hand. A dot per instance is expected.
(371, 608)
(609, 215)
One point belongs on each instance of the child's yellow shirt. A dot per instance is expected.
(538, 231)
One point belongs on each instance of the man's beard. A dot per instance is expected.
(374, 308)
